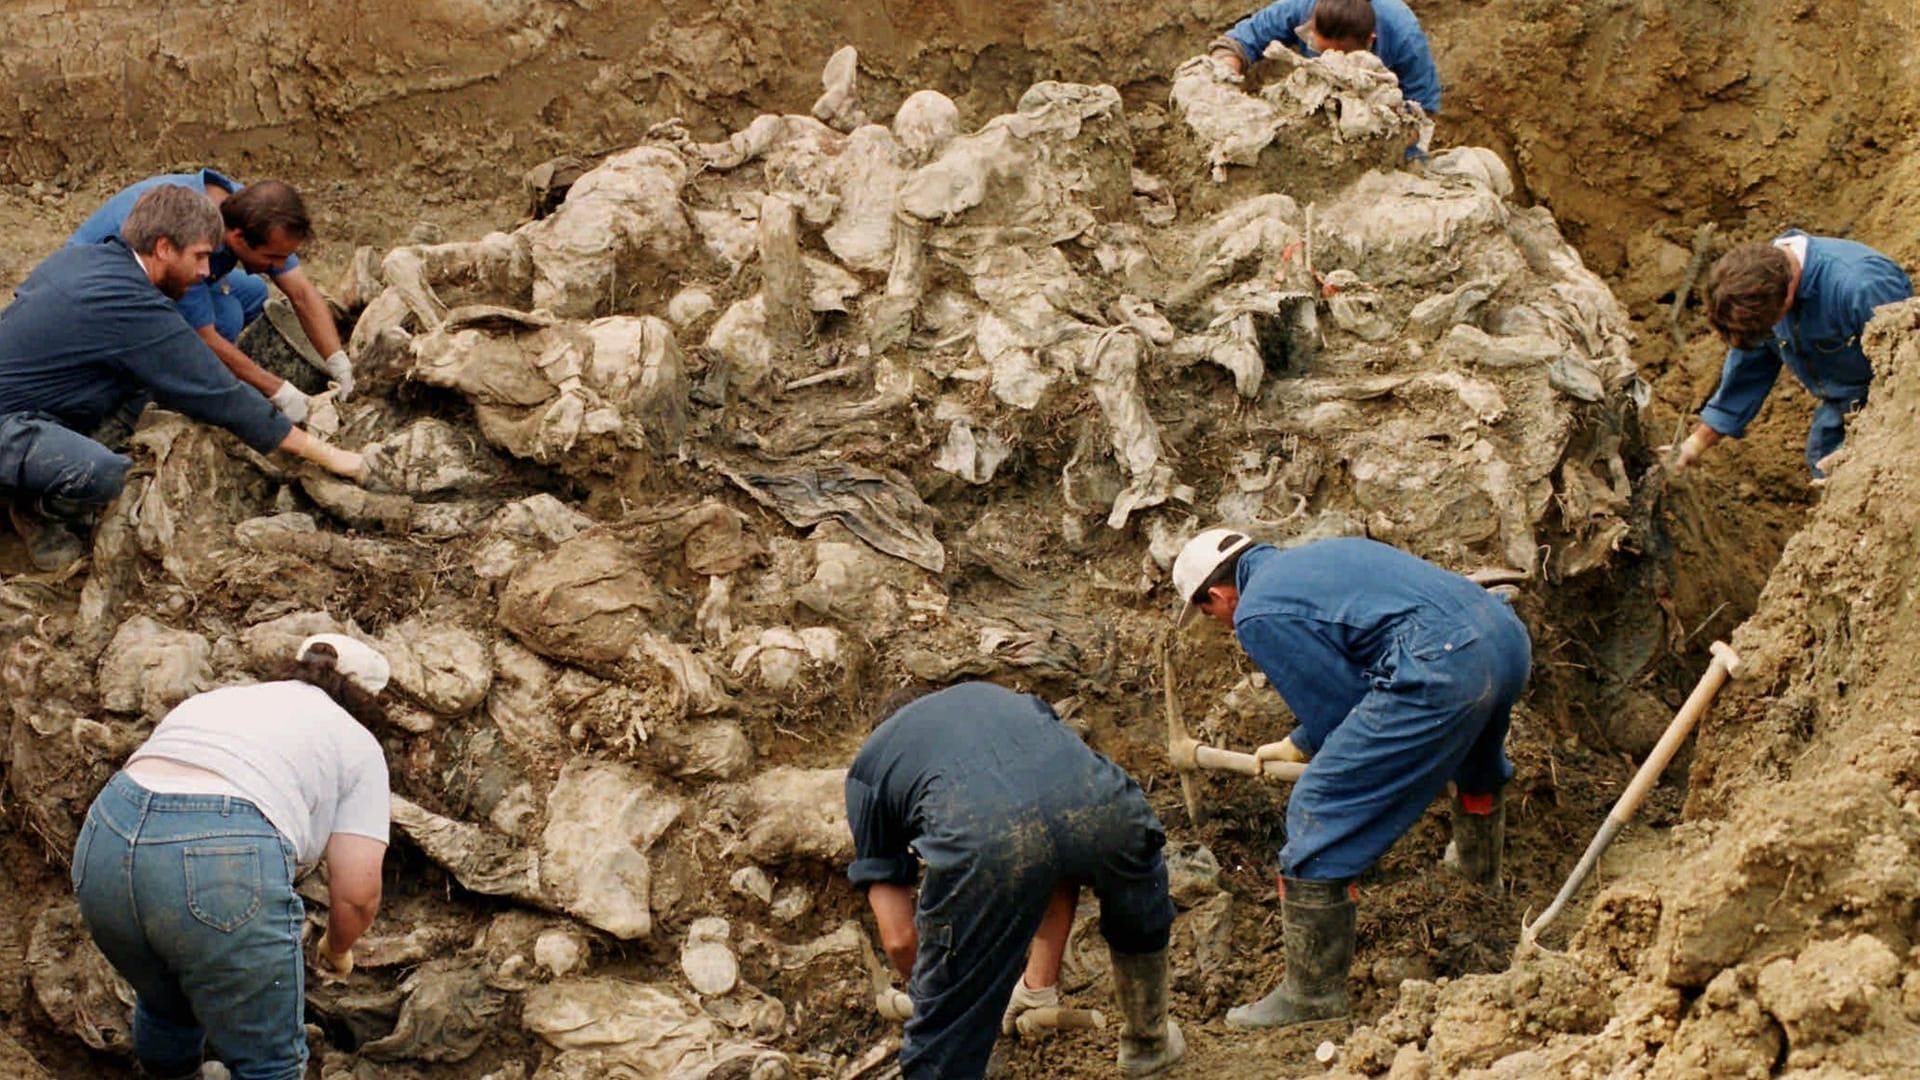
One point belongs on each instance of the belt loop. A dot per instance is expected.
(226, 806)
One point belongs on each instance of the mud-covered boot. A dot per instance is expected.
(50, 543)
(1479, 834)
(1317, 925)
(1150, 1040)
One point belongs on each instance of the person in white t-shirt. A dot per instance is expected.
(185, 865)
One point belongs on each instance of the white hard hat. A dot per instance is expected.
(358, 661)
(1197, 561)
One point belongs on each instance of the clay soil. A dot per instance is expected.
(1636, 124)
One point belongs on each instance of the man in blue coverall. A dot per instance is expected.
(92, 329)
(1311, 27)
(1401, 676)
(1012, 814)
(1800, 301)
(265, 225)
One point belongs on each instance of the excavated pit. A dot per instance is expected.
(690, 716)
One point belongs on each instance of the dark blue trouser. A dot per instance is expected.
(191, 899)
(1829, 430)
(1442, 714)
(978, 911)
(238, 299)
(41, 456)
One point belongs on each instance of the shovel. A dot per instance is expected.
(1723, 667)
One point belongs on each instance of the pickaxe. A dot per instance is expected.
(1188, 755)
(1725, 664)
(889, 1001)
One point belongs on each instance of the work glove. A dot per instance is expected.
(1688, 452)
(340, 370)
(893, 1003)
(1024, 998)
(328, 964)
(288, 399)
(1284, 750)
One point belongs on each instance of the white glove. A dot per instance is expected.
(288, 399)
(1024, 998)
(1689, 452)
(893, 1004)
(340, 370)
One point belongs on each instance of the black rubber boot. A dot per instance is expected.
(1150, 1040)
(177, 1072)
(1317, 923)
(1474, 851)
(51, 543)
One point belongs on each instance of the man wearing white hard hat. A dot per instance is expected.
(1401, 677)
(185, 865)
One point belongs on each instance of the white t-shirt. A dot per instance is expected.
(309, 766)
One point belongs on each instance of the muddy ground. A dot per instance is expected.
(1654, 120)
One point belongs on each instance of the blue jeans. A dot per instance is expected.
(238, 299)
(191, 899)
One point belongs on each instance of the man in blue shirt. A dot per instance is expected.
(91, 330)
(1800, 301)
(1311, 27)
(1402, 677)
(1011, 813)
(264, 226)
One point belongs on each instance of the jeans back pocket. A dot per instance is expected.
(223, 885)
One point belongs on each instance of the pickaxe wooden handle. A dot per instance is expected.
(889, 1002)
(1188, 755)
(1725, 664)
(1036, 1022)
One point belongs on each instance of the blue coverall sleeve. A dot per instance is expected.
(1272, 23)
(196, 305)
(1299, 663)
(880, 846)
(1419, 76)
(1745, 381)
(292, 263)
(183, 374)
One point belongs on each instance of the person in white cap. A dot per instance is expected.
(1401, 677)
(186, 862)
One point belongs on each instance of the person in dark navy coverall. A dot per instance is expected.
(1401, 677)
(1011, 813)
(1798, 302)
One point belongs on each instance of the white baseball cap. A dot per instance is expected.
(358, 661)
(1197, 561)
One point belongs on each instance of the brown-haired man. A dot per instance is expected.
(1800, 301)
(264, 226)
(1311, 27)
(90, 333)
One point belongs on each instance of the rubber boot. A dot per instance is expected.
(1479, 834)
(1317, 924)
(50, 543)
(147, 1072)
(1150, 1040)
